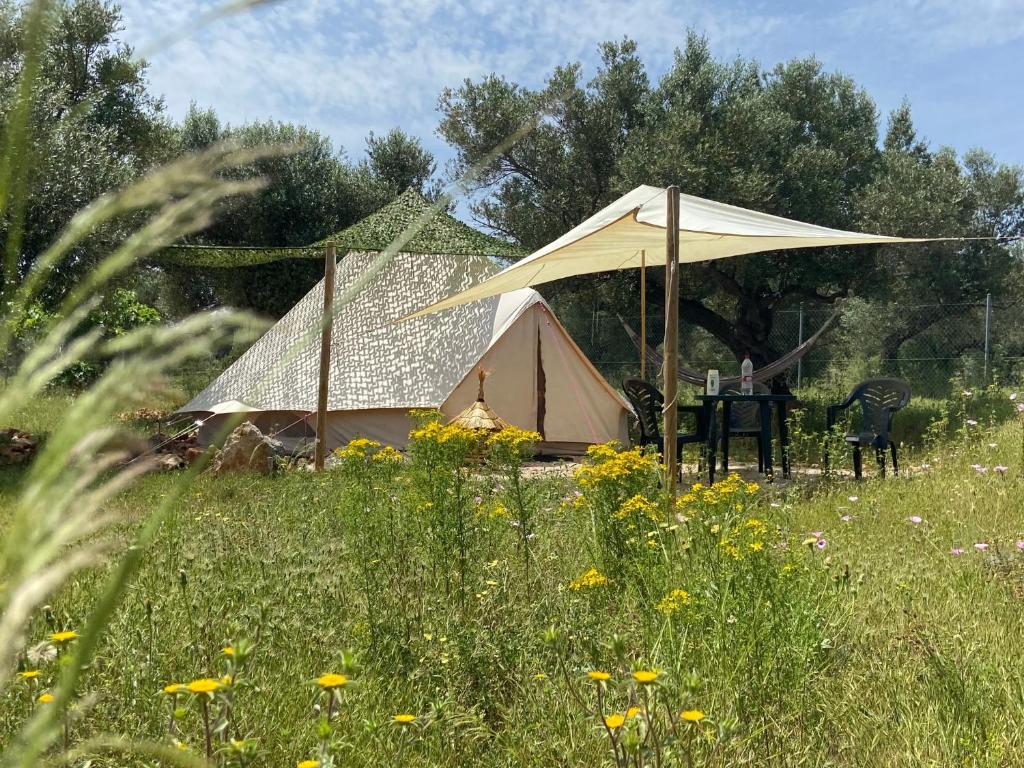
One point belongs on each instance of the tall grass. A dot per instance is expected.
(879, 647)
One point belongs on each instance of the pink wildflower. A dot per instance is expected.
(956, 551)
(981, 546)
(915, 519)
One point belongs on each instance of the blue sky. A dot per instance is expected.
(349, 68)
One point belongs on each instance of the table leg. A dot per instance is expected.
(783, 412)
(726, 417)
(766, 438)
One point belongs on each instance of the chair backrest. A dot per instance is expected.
(647, 402)
(879, 400)
(746, 417)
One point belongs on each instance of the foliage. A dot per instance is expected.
(617, 488)
(771, 639)
(507, 450)
(273, 242)
(118, 313)
(400, 162)
(91, 128)
(793, 140)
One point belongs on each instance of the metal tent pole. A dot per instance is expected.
(671, 412)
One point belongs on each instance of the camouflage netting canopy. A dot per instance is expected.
(443, 234)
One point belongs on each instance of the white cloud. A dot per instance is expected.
(349, 68)
(940, 26)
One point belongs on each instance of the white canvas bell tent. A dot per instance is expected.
(381, 369)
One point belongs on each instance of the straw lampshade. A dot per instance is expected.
(479, 415)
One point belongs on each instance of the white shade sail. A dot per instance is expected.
(614, 238)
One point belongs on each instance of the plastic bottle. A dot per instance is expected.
(747, 376)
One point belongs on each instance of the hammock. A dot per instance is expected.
(770, 371)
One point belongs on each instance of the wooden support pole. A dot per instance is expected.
(327, 323)
(643, 315)
(671, 340)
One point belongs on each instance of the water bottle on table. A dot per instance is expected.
(747, 376)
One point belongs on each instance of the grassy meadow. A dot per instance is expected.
(565, 620)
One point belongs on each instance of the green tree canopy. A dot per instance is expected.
(794, 141)
(92, 127)
(312, 192)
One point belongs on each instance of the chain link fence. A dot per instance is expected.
(933, 346)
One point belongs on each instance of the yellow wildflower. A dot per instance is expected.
(403, 719)
(755, 525)
(639, 506)
(59, 638)
(173, 688)
(590, 579)
(614, 722)
(692, 715)
(497, 512)
(45, 698)
(203, 685)
(633, 712)
(359, 448)
(330, 681)
(442, 434)
(673, 601)
(387, 454)
(513, 438)
(228, 650)
(29, 674)
(608, 466)
(599, 675)
(540, 676)
(308, 764)
(645, 676)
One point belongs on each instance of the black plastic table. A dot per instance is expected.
(764, 402)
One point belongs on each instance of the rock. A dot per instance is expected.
(170, 461)
(245, 450)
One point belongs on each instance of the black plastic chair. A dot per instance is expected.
(744, 421)
(879, 400)
(647, 403)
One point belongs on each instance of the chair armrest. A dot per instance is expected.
(700, 412)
